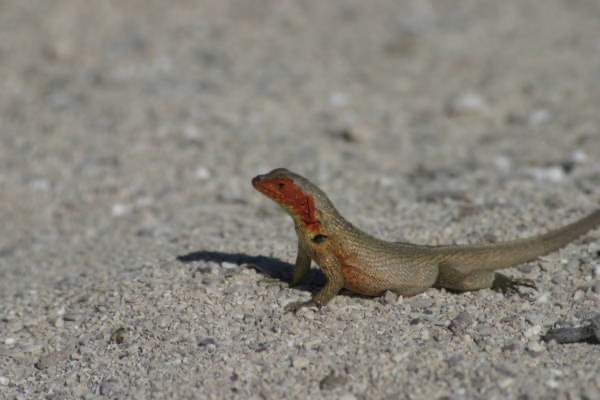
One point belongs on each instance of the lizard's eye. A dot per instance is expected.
(281, 185)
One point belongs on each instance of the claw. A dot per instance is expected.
(511, 285)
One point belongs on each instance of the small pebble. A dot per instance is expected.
(542, 298)
(578, 156)
(338, 99)
(503, 163)
(533, 331)
(538, 117)
(51, 359)
(118, 336)
(597, 270)
(553, 383)
(332, 381)
(119, 209)
(205, 341)
(534, 346)
(420, 302)
(506, 382)
(510, 347)
(467, 104)
(202, 173)
(389, 297)
(40, 185)
(228, 265)
(579, 294)
(460, 323)
(301, 362)
(350, 132)
(553, 173)
(71, 316)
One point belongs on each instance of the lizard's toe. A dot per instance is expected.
(511, 285)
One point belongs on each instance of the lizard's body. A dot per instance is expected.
(364, 264)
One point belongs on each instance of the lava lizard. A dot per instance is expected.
(361, 263)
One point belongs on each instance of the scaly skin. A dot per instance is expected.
(363, 264)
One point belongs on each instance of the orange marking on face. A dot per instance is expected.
(284, 191)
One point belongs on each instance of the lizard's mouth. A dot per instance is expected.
(260, 185)
(269, 189)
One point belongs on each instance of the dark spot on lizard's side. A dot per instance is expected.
(319, 238)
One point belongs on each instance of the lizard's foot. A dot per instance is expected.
(511, 285)
(296, 305)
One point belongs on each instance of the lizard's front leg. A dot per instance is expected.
(301, 267)
(330, 265)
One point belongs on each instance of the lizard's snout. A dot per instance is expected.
(256, 180)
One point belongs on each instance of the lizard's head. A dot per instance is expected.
(296, 195)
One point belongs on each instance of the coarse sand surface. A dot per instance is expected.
(137, 261)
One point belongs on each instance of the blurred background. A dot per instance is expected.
(130, 130)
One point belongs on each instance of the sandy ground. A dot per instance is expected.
(135, 257)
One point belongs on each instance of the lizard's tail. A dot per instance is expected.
(507, 254)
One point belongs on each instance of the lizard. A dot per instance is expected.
(361, 263)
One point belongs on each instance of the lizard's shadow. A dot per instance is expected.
(272, 267)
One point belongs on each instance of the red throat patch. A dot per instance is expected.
(283, 190)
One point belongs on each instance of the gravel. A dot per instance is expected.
(136, 260)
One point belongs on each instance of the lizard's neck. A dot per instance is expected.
(322, 220)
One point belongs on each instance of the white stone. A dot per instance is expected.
(202, 172)
(119, 209)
